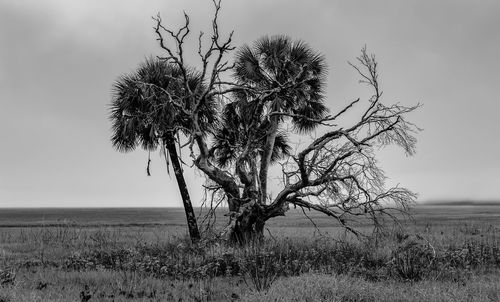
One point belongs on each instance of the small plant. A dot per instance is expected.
(85, 294)
(7, 277)
(412, 259)
(260, 269)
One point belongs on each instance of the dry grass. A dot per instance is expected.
(343, 288)
(106, 285)
(436, 258)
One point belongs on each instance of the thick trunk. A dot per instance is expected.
(194, 233)
(248, 225)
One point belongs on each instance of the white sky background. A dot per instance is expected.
(59, 58)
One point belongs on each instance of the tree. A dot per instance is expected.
(276, 84)
(146, 111)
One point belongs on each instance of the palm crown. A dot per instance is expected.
(277, 62)
(153, 101)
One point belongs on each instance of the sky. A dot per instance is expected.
(59, 58)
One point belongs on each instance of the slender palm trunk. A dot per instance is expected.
(266, 157)
(194, 233)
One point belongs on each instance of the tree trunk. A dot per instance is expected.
(194, 233)
(248, 226)
(266, 157)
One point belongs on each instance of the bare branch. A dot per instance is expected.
(337, 173)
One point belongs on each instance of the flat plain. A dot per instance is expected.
(445, 253)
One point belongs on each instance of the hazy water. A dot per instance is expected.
(90, 216)
(10, 217)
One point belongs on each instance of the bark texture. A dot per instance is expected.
(248, 224)
(194, 232)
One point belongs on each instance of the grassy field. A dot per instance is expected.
(448, 253)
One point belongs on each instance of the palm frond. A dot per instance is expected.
(154, 100)
(124, 138)
(247, 68)
(281, 147)
(281, 60)
(307, 115)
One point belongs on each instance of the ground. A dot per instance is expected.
(448, 253)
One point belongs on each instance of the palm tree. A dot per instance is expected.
(278, 62)
(149, 108)
(284, 81)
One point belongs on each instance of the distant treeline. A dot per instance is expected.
(461, 203)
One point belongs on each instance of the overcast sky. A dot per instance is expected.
(59, 58)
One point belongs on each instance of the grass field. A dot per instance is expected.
(448, 253)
